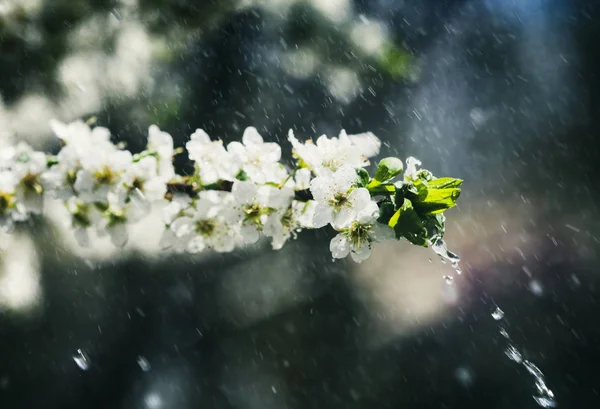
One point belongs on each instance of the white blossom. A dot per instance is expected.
(338, 200)
(254, 204)
(212, 159)
(161, 143)
(203, 224)
(100, 172)
(11, 210)
(259, 159)
(27, 167)
(105, 189)
(142, 180)
(357, 239)
(330, 154)
(302, 179)
(283, 225)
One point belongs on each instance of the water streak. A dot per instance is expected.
(544, 397)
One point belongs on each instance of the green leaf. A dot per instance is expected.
(387, 169)
(444, 183)
(382, 189)
(437, 200)
(363, 177)
(386, 211)
(407, 223)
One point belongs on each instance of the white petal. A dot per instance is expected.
(367, 143)
(171, 211)
(360, 254)
(339, 246)
(167, 239)
(360, 198)
(244, 191)
(237, 149)
(369, 213)
(270, 152)
(118, 234)
(200, 136)
(302, 179)
(249, 234)
(343, 218)
(323, 215)
(251, 136)
(321, 187)
(273, 227)
(345, 177)
(182, 226)
(196, 245)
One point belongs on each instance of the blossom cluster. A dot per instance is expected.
(237, 193)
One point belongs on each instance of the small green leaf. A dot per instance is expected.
(406, 223)
(241, 175)
(387, 169)
(363, 177)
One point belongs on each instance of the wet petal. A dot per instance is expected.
(339, 246)
(323, 215)
(360, 254)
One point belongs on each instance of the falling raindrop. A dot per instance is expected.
(514, 355)
(82, 360)
(498, 314)
(545, 402)
(143, 363)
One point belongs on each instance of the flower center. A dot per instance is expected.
(31, 183)
(137, 184)
(287, 220)
(331, 164)
(6, 201)
(359, 234)
(253, 212)
(205, 227)
(104, 176)
(71, 177)
(80, 216)
(339, 200)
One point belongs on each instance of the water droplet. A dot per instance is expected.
(464, 376)
(82, 360)
(514, 355)
(533, 369)
(143, 363)
(544, 401)
(498, 314)
(536, 288)
(448, 279)
(504, 333)
(441, 249)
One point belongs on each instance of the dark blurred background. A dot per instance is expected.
(504, 94)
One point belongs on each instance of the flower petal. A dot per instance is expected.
(360, 254)
(323, 215)
(339, 246)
